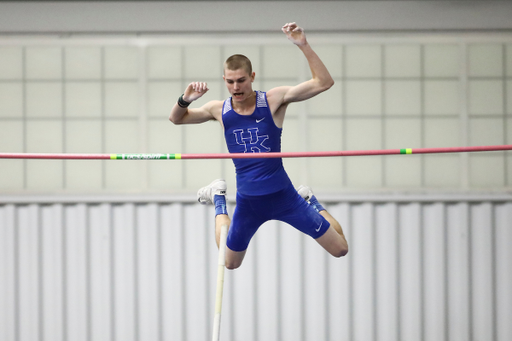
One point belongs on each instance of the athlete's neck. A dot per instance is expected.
(245, 107)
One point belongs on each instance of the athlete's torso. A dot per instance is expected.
(255, 133)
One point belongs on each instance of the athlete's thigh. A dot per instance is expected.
(306, 219)
(244, 225)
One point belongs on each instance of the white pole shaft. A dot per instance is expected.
(220, 282)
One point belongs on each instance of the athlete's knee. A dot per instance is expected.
(340, 251)
(232, 265)
(343, 251)
(234, 259)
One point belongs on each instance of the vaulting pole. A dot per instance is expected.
(220, 282)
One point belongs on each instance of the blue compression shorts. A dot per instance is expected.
(286, 205)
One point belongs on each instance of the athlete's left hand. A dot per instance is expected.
(294, 33)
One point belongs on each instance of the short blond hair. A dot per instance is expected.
(238, 61)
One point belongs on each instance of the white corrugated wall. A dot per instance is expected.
(418, 269)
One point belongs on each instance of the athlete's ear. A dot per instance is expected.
(252, 76)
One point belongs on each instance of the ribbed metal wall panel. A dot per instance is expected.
(422, 270)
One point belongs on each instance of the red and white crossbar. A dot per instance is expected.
(66, 156)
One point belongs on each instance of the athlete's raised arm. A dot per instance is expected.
(320, 81)
(181, 114)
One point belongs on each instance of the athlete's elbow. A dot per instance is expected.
(328, 84)
(325, 84)
(175, 120)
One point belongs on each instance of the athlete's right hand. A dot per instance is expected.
(194, 91)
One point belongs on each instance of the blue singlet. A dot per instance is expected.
(264, 190)
(255, 133)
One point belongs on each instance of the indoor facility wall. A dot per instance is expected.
(417, 269)
(114, 95)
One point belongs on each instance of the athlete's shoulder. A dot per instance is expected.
(214, 107)
(275, 100)
(215, 104)
(277, 94)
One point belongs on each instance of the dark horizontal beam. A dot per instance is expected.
(28, 17)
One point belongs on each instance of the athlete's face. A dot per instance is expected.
(239, 84)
